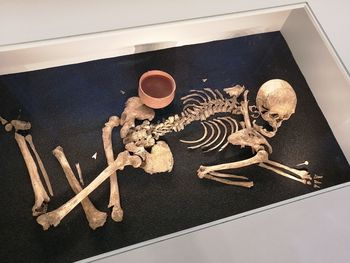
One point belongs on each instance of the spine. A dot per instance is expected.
(195, 112)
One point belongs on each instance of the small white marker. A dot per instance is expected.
(94, 156)
(122, 92)
(304, 163)
(204, 80)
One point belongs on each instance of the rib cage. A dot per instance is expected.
(217, 135)
(199, 105)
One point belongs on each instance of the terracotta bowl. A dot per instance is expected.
(156, 89)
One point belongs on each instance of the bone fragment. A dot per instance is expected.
(94, 156)
(304, 163)
(80, 174)
(29, 140)
(95, 217)
(8, 127)
(40, 195)
(21, 125)
(200, 139)
(3, 121)
(235, 91)
(114, 197)
(54, 217)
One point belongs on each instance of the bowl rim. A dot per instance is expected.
(157, 72)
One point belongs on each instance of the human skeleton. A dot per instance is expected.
(275, 102)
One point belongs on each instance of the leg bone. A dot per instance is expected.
(55, 217)
(29, 139)
(40, 195)
(114, 198)
(95, 217)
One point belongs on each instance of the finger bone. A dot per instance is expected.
(95, 217)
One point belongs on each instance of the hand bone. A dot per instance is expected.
(95, 217)
(40, 195)
(114, 198)
(54, 217)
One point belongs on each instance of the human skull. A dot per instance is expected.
(276, 101)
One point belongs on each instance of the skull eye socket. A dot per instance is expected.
(264, 109)
(274, 115)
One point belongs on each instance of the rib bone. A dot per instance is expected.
(29, 139)
(114, 197)
(211, 92)
(231, 122)
(200, 139)
(203, 92)
(54, 217)
(217, 136)
(223, 137)
(206, 141)
(95, 217)
(194, 95)
(40, 195)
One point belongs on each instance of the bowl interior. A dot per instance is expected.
(157, 86)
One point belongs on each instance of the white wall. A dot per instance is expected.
(23, 21)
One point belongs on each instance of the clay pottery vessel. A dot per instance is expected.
(156, 89)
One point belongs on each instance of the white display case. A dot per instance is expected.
(321, 66)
